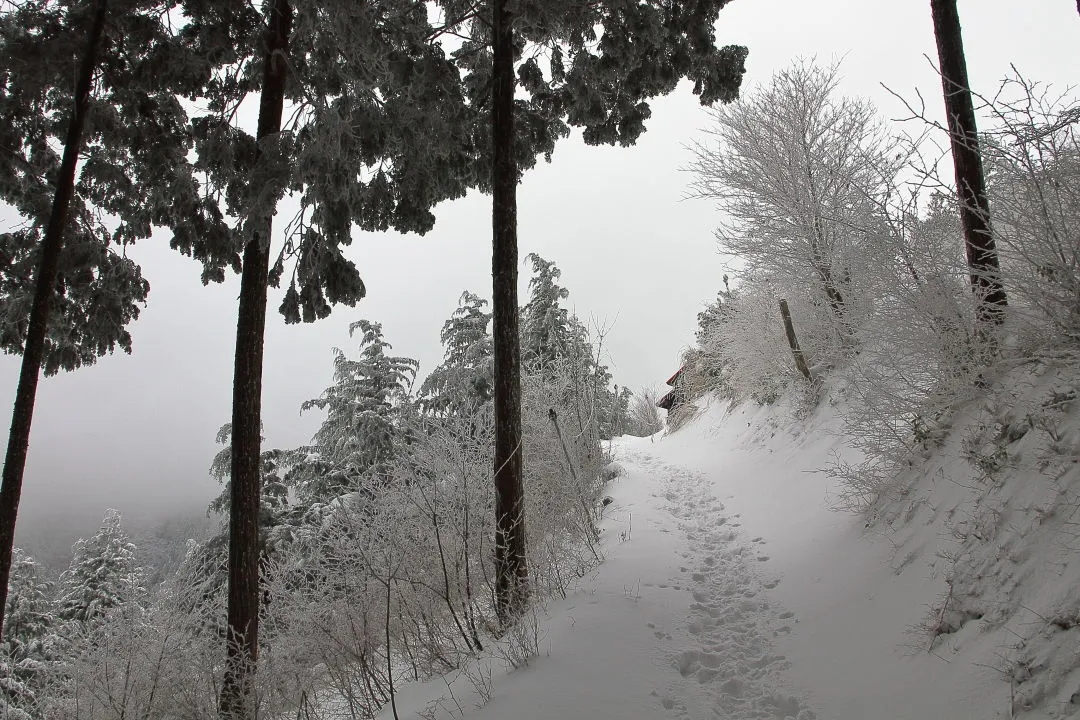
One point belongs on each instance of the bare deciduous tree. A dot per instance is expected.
(1032, 156)
(793, 165)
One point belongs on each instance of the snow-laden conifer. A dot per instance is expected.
(364, 430)
(103, 575)
(132, 143)
(546, 330)
(29, 612)
(29, 646)
(461, 384)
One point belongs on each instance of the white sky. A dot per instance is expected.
(136, 432)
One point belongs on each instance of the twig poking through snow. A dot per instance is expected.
(936, 630)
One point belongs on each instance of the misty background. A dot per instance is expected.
(136, 433)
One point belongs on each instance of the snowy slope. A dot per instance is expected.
(855, 650)
(731, 590)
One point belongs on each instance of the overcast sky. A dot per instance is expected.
(136, 432)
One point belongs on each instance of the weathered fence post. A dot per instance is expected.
(796, 351)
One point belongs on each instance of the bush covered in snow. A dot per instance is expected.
(643, 415)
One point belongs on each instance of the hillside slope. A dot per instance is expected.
(731, 589)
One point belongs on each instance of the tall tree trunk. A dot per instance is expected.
(982, 256)
(237, 700)
(34, 348)
(511, 572)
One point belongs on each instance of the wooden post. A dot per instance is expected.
(796, 351)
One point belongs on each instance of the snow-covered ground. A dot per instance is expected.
(732, 590)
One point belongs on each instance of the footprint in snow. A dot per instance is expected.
(728, 668)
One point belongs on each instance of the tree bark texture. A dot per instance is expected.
(34, 347)
(511, 571)
(237, 690)
(982, 255)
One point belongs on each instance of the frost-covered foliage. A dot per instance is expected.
(98, 644)
(386, 581)
(797, 168)
(743, 349)
(377, 542)
(103, 575)
(406, 569)
(364, 429)
(1033, 166)
(29, 643)
(29, 615)
(643, 415)
(156, 659)
(15, 696)
(926, 357)
(547, 332)
(462, 384)
(274, 494)
(554, 339)
(871, 264)
(131, 135)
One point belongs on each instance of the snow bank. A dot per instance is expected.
(993, 515)
(732, 590)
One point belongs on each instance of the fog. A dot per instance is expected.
(137, 432)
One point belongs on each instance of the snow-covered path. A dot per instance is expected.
(731, 591)
(856, 649)
(676, 623)
(722, 645)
